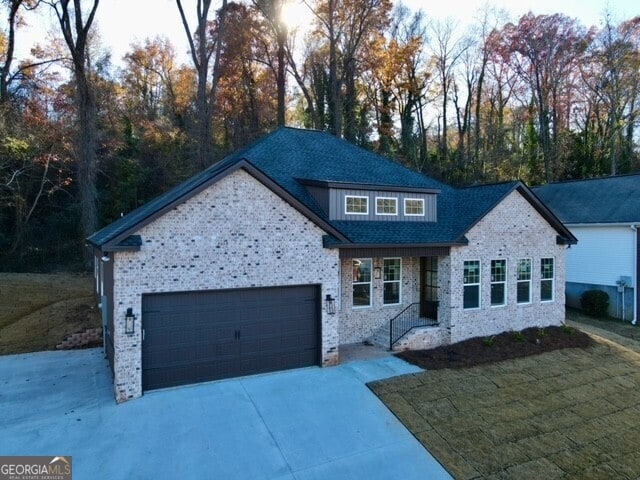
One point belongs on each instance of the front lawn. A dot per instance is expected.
(568, 413)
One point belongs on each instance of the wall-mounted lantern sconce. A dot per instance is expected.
(129, 322)
(330, 304)
(377, 273)
(105, 258)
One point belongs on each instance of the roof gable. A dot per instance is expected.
(597, 200)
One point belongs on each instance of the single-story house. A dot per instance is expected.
(604, 214)
(280, 253)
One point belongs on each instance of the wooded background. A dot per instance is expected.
(85, 139)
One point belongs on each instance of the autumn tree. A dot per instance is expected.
(612, 75)
(546, 50)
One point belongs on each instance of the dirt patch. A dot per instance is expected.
(38, 311)
(508, 345)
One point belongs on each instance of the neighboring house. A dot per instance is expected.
(277, 255)
(604, 214)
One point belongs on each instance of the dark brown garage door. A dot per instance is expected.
(198, 336)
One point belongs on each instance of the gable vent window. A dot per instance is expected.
(356, 205)
(414, 207)
(386, 206)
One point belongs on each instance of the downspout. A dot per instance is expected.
(634, 274)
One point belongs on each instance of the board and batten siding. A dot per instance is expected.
(337, 205)
(603, 254)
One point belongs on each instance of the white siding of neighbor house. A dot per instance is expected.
(602, 254)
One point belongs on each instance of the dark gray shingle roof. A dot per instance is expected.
(597, 200)
(289, 154)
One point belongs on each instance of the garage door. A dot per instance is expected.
(198, 336)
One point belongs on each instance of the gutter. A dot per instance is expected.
(634, 274)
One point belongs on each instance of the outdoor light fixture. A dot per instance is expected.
(129, 322)
(105, 258)
(377, 273)
(330, 304)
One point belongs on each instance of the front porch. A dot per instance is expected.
(393, 302)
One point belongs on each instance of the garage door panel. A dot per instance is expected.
(200, 336)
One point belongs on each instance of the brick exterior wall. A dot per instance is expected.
(512, 230)
(235, 234)
(357, 324)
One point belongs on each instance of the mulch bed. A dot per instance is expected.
(505, 346)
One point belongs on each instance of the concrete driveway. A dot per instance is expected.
(301, 424)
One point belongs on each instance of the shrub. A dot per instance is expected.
(489, 341)
(519, 337)
(595, 302)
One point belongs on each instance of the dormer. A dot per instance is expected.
(366, 202)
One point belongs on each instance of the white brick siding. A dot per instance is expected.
(357, 324)
(512, 230)
(235, 234)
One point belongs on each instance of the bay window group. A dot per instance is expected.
(499, 277)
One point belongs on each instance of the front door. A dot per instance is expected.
(429, 287)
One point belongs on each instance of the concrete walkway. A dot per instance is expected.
(301, 424)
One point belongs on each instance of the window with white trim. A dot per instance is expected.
(356, 205)
(361, 283)
(498, 283)
(414, 207)
(392, 281)
(471, 293)
(386, 206)
(524, 280)
(547, 277)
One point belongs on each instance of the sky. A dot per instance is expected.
(122, 22)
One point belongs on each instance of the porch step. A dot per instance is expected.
(381, 337)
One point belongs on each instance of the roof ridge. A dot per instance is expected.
(604, 177)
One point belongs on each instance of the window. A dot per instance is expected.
(498, 282)
(524, 281)
(392, 276)
(414, 207)
(386, 206)
(361, 283)
(356, 205)
(471, 284)
(546, 279)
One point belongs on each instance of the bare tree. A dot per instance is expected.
(204, 49)
(75, 31)
(446, 53)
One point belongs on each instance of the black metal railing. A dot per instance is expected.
(406, 320)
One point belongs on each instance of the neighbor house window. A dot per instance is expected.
(414, 207)
(471, 284)
(392, 277)
(386, 206)
(546, 279)
(361, 283)
(498, 282)
(356, 205)
(524, 280)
